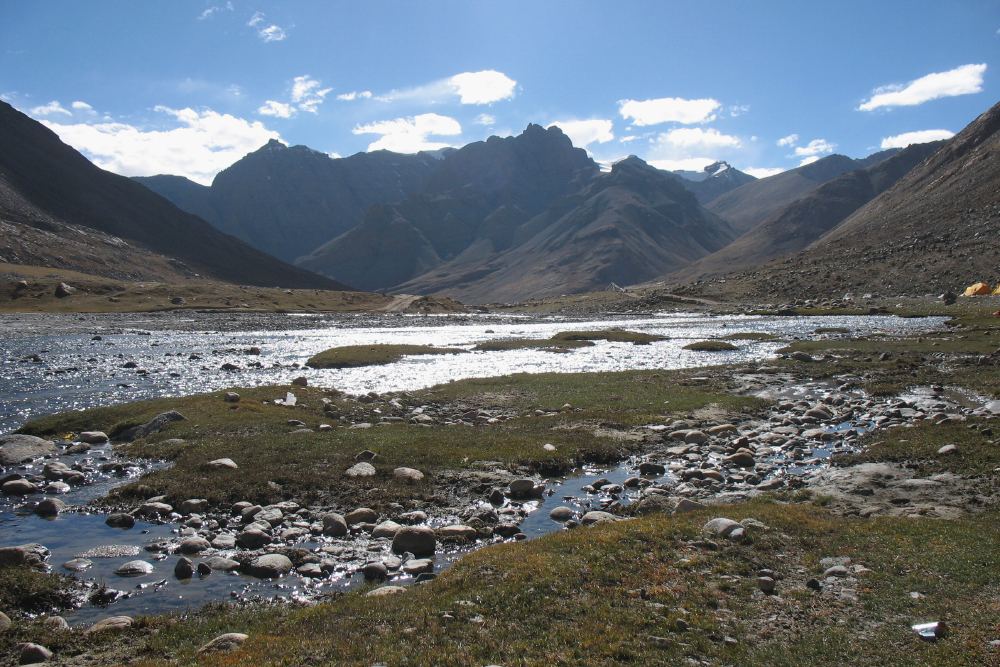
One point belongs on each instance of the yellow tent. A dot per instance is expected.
(977, 289)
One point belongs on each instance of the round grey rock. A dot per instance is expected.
(562, 514)
(270, 566)
(32, 654)
(227, 642)
(135, 568)
(418, 540)
(334, 525)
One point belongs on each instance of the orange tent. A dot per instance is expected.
(977, 289)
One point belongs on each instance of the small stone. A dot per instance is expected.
(685, 505)
(386, 529)
(766, 584)
(312, 570)
(227, 642)
(365, 455)
(648, 468)
(418, 566)
(204, 569)
(112, 624)
(800, 356)
(741, 459)
(231, 397)
(413, 517)
(695, 437)
(948, 449)
(520, 487)
(457, 531)
(220, 564)
(300, 382)
(596, 517)
(184, 569)
(252, 539)
(93, 437)
(62, 291)
(362, 469)
(548, 447)
(224, 541)
(56, 624)
(837, 571)
(223, 463)
(18, 487)
(77, 564)
(32, 654)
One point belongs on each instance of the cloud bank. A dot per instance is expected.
(963, 80)
(483, 87)
(584, 132)
(921, 137)
(669, 109)
(410, 135)
(204, 144)
(815, 147)
(306, 95)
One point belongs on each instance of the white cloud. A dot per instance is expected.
(685, 164)
(307, 93)
(200, 146)
(207, 14)
(809, 160)
(484, 119)
(762, 172)
(82, 106)
(789, 140)
(271, 33)
(584, 132)
(738, 110)
(483, 87)
(667, 109)
(815, 147)
(962, 80)
(627, 139)
(354, 95)
(409, 135)
(921, 137)
(695, 137)
(272, 108)
(50, 108)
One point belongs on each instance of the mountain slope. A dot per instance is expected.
(61, 183)
(808, 218)
(719, 179)
(747, 206)
(934, 230)
(289, 201)
(485, 190)
(625, 227)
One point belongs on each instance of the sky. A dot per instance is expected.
(188, 87)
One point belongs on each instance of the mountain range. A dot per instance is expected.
(51, 193)
(525, 216)
(933, 231)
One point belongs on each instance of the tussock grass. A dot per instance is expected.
(711, 346)
(353, 356)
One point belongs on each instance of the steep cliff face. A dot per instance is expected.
(46, 180)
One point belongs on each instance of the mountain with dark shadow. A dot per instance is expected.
(49, 183)
(526, 216)
(289, 201)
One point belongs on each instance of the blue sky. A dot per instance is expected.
(190, 86)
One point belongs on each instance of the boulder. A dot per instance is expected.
(647, 468)
(362, 469)
(721, 526)
(252, 539)
(231, 397)
(4, 622)
(948, 449)
(220, 564)
(334, 525)
(408, 474)
(111, 624)
(155, 509)
(695, 437)
(596, 517)
(723, 429)
(385, 591)
(194, 545)
(655, 504)
(270, 566)
(223, 463)
(685, 505)
(50, 507)
(18, 487)
(361, 515)
(562, 514)
(418, 566)
(457, 531)
(17, 449)
(227, 642)
(150, 427)
(62, 291)
(386, 529)
(135, 568)
(56, 624)
(375, 571)
(224, 541)
(184, 569)
(120, 520)
(32, 654)
(800, 356)
(93, 437)
(413, 517)
(194, 506)
(418, 540)
(742, 459)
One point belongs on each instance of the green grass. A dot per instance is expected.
(353, 356)
(750, 335)
(23, 588)
(587, 597)
(309, 467)
(610, 335)
(711, 346)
